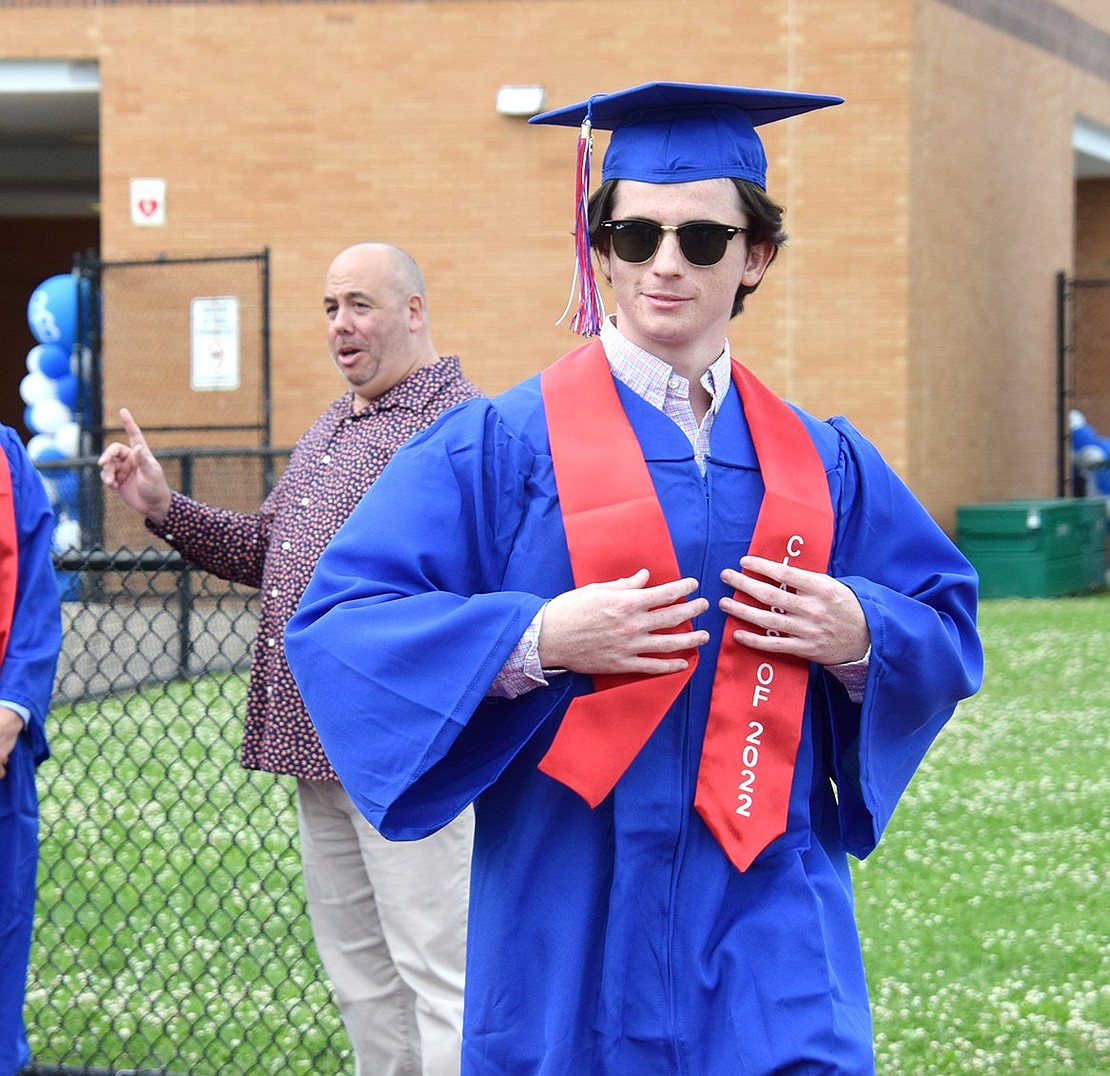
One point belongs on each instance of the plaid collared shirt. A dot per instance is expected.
(657, 382)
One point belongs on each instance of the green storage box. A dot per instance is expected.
(1096, 550)
(1035, 548)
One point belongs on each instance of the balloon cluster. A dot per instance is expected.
(51, 390)
(1091, 456)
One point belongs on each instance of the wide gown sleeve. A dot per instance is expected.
(404, 626)
(919, 594)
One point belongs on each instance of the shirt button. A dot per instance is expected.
(274, 592)
(286, 546)
(673, 382)
(271, 641)
(325, 459)
(304, 502)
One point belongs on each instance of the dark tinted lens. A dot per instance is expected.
(703, 244)
(635, 240)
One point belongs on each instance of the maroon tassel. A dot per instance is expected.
(587, 318)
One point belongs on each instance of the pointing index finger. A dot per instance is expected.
(131, 428)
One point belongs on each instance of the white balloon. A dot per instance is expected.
(1090, 455)
(68, 439)
(40, 445)
(49, 416)
(67, 535)
(37, 386)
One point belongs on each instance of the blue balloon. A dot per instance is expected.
(50, 453)
(68, 487)
(51, 359)
(52, 311)
(1082, 436)
(1101, 475)
(67, 390)
(63, 490)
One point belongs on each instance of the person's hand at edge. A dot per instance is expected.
(133, 472)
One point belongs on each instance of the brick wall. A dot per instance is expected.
(915, 295)
(991, 223)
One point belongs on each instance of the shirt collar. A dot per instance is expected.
(651, 377)
(411, 392)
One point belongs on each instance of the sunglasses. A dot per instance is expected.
(702, 242)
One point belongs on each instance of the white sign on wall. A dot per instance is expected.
(148, 201)
(214, 330)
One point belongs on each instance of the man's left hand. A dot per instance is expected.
(812, 615)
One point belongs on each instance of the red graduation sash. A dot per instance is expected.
(9, 554)
(606, 496)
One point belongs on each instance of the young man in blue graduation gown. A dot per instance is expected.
(681, 644)
(30, 638)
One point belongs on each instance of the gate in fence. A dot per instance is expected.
(1083, 364)
(186, 342)
(171, 935)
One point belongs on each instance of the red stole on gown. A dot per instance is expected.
(614, 526)
(9, 554)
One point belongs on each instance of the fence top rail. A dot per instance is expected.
(120, 560)
(166, 259)
(248, 451)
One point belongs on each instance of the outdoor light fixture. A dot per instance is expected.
(520, 100)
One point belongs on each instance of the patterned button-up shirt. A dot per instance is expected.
(330, 468)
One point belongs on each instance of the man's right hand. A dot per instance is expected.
(621, 627)
(134, 473)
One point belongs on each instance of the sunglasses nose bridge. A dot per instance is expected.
(669, 246)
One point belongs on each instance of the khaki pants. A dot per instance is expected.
(389, 920)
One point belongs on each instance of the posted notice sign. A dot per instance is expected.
(148, 201)
(214, 324)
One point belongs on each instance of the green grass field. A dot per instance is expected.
(171, 932)
(985, 911)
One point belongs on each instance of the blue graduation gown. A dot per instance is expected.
(26, 678)
(620, 941)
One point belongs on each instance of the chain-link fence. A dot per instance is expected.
(1089, 357)
(185, 338)
(1083, 342)
(171, 934)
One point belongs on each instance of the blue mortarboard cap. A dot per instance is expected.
(678, 132)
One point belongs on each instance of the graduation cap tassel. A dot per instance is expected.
(587, 318)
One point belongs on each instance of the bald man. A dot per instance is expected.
(389, 919)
